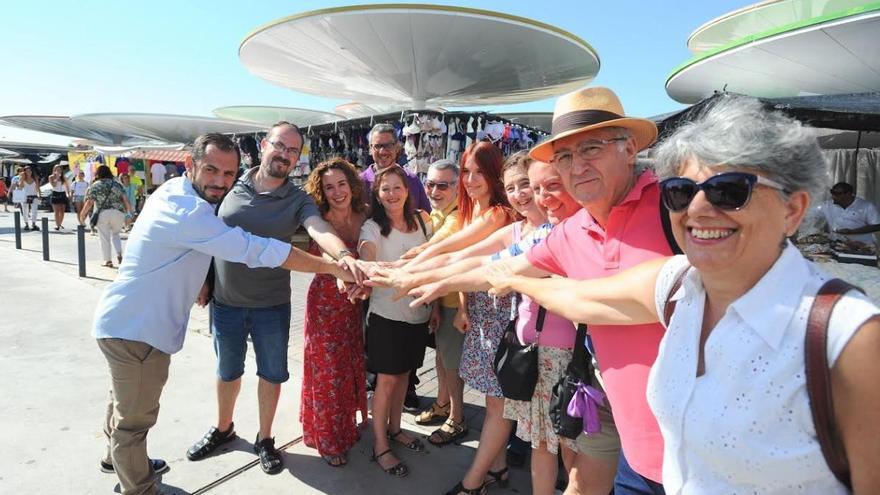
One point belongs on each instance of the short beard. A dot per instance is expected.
(272, 172)
(201, 192)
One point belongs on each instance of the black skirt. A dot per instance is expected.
(394, 347)
(59, 198)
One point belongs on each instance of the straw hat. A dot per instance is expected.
(588, 109)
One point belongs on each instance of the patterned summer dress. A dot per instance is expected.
(334, 381)
(488, 319)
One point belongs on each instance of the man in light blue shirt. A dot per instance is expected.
(167, 259)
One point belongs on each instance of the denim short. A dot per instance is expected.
(269, 329)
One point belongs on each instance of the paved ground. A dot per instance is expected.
(55, 385)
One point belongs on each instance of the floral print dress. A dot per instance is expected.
(334, 381)
(488, 317)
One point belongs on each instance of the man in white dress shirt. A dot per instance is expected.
(167, 258)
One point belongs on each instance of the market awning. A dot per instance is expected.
(850, 112)
(158, 155)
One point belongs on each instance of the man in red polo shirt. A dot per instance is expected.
(594, 147)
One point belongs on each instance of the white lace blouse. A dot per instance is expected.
(745, 426)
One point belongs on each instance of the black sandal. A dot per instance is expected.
(400, 470)
(496, 478)
(210, 442)
(270, 458)
(459, 488)
(415, 445)
(449, 432)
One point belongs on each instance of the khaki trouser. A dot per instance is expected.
(138, 372)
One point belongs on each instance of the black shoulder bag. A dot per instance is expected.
(93, 221)
(578, 371)
(516, 364)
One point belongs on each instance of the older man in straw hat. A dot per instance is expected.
(594, 147)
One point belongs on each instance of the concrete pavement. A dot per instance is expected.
(56, 383)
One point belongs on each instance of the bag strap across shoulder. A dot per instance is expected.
(422, 223)
(819, 377)
(666, 223)
(579, 366)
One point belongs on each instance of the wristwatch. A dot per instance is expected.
(343, 253)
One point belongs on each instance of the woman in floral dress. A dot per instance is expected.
(483, 209)
(334, 382)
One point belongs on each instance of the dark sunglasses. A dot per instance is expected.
(441, 186)
(727, 191)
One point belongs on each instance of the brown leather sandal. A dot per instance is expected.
(448, 433)
(433, 414)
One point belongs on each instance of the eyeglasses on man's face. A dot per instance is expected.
(729, 191)
(584, 150)
(280, 148)
(441, 186)
(383, 146)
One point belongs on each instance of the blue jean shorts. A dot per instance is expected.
(269, 329)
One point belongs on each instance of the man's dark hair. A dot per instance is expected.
(220, 141)
(284, 123)
(843, 188)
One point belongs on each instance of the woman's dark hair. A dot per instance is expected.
(490, 161)
(315, 188)
(104, 172)
(63, 178)
(379, 215)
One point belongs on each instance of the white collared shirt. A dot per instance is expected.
(166, 261)
(858, 214)
(745, 426)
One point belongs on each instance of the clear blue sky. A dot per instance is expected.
(181, 56)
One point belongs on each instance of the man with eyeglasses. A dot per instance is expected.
(384, 148)
(850, 217)
(255, 302)
(441, 183)
(593, 147)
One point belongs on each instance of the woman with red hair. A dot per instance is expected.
(483, 209)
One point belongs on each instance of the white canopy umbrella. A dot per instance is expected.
(418, 56)
(164, 128)
(268, 115)
(762, 17)
(834, 54)
(68, 127)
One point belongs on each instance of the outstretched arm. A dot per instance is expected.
(490, 245)
(326, 237)
(626, 298)
(459, 279)
(478, 230)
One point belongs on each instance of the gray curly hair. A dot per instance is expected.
(738, 131)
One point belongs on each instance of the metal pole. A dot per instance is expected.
(17, 229)
(45, 232)
(81, 248)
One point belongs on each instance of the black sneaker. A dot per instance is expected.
(270, 459)
(159, 466)
(412, 403)
(26, 227)
(34, 227)
(209, 443)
